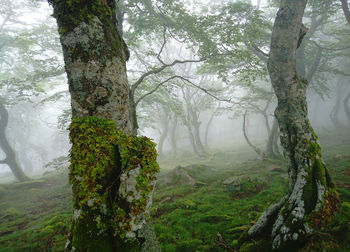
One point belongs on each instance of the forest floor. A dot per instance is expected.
(195, 200)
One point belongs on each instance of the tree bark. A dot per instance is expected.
(312, 194)
(112, 174)
(10, 159)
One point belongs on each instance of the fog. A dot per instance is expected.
(38, 121)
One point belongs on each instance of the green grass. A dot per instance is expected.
(35, 216)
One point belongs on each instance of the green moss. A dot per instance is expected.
(99, 154)
(77, 11)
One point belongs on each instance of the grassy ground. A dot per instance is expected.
(35, 216)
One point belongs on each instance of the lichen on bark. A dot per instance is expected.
(291, 221)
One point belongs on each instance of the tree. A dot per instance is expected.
(10, 159)
(312, 198)
(112, 174)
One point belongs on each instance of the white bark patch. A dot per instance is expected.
(76, 214)
(83, 33)
(320, 192)
(262, 221)
(276, 242)
(277, 225)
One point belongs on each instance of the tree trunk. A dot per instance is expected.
(165, 130)
(208, 126)
(312, 199)
(112, 174)
(256, 149)
(173, 139)
(133, 115)
(347, 106)
(270, 146)
(196, 124)
(336, 109)
(10, 159)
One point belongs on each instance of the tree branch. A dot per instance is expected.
(162, 47)
(155, 88)
(159, 69)
(345, 6)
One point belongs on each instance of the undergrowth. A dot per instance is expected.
(35, 215)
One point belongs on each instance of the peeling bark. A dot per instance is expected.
(289, 222)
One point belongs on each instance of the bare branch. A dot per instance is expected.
(155, 88)
(345, 6)
(207, 92)
(159, 69)
(162, 47)
(328, 48)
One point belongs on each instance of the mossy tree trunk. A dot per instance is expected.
(112, 174)
(312, 198)
(10, 158)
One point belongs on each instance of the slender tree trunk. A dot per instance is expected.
(173, 139)
(270, 146)
(311, 190)
(255, 148)
(165, 130)
(197, 138)
(10, 159)
(207, 130)
(336, 109)
(112, 174)
(133, 114)
(347, 106)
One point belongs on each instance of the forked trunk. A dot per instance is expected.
(312, 198)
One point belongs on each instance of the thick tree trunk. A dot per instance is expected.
(10, 159)
(112, 174)
(311, 190)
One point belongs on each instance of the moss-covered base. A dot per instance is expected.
(334, 236)
(112, 177)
